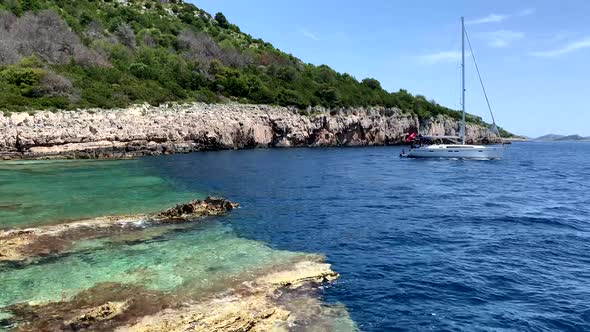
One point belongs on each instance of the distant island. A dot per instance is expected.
(559, 138)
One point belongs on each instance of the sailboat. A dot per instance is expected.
(435, 147)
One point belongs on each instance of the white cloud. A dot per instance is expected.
(310, 35)
(557, 37)
(492, 18)
(497, 18)
(440, 57)
(565, 49)
(526, 12)
(503, 38)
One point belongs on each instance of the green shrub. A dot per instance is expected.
(141, 70)
(30, 5)
(26, 80)
(288, 97)
(22, 77)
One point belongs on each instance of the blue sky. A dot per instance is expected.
(534, 55)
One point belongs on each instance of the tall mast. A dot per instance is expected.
(463, 78)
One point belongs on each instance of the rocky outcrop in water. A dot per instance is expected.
(21, 244)
(148, 130)
(211, 206)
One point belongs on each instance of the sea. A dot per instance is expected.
(420, 245)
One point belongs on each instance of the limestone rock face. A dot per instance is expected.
(444, 126)
(149, 130)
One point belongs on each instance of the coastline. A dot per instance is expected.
(174, 128)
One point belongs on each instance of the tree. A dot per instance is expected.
(328, 95)
(371, 83)
(221, 20)
(287, 74)
(290, 98)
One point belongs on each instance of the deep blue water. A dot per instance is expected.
(421, 245)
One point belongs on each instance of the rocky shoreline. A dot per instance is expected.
(149, 130)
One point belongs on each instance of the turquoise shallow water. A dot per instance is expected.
(40, 192)
(198, 258)
(166, 261)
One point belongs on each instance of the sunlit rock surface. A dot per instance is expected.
(257, 305)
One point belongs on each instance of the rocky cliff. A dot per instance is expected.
(148, 130)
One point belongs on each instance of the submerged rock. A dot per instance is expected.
(21, 244)
(100, 308)
(255, 306)
(247, 313)
(101, 313)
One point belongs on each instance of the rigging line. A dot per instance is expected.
(457, 85)
(481, 81)
(456, 93)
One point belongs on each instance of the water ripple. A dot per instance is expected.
(441, 245)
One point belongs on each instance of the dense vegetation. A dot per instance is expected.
(77, 54)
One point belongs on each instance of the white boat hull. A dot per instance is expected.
(456, 151)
